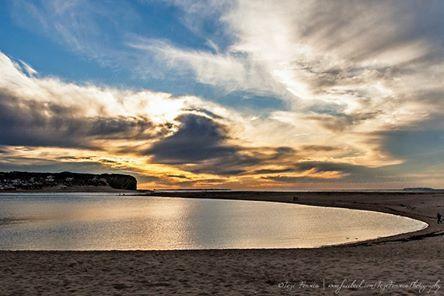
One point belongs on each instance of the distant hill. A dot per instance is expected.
(65, 181)
(419, 189)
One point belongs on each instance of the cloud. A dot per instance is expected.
(340, 122)
(13, 161)
(228, 72)
(331, 172)
(319, 148)
(33, 123)
(198, 138)
(202, 145)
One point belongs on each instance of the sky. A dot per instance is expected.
(226, 94)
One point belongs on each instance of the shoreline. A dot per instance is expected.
(405, 264)
(348, 200)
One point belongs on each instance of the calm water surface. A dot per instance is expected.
(98, 221)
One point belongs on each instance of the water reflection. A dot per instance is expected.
(112, 222)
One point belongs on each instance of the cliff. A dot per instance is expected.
(12, 181)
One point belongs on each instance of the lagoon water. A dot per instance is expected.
(106, 221)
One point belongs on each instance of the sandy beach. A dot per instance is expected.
(407, 264)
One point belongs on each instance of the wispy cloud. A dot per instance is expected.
(227, 71)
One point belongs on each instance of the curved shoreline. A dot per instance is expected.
(394, 203)
(400, 206)
(405, 225)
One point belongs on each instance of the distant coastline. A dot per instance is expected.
(65, 182)
(423, 189)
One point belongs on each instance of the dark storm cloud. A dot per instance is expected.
(32, 123)
(201, 145)
(198, 138)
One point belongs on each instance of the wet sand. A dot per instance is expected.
(407, 264)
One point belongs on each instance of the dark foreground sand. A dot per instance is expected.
(410, 264)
